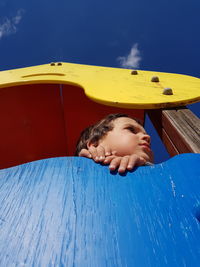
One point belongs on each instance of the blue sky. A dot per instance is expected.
(158, 35)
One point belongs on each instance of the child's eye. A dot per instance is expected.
(131, 129)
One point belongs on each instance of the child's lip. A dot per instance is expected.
(145, 145)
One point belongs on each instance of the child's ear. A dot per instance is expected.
(89, 144)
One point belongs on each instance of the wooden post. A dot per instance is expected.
(178, 128)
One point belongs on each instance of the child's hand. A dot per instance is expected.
(124, 163)
(103, 155)
(98, 154)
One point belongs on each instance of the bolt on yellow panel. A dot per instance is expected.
(113, 86)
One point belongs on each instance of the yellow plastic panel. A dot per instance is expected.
(112, 86)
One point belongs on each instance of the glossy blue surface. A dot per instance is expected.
(73, 212)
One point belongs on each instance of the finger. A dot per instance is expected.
(93, 151)
(108, 151)
(114, 164)
(114, 152)
(123, 164)
(108, 159)
(100, 153)
(84, 153)
(135, 160)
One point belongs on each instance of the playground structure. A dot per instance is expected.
(42, 112)
(44, 108)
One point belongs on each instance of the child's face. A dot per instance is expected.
(128, 137)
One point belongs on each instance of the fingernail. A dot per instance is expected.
(130, 167)
(111, 167)
(107, 153)
(121, 169)
(102, 158)
(97, 158)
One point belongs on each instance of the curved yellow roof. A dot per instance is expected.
(112, 86)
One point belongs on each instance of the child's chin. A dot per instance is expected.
(148, 157)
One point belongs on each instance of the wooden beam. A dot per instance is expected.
(178, 128)
(171, 148)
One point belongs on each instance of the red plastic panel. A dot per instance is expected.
(45, 120)
(80, 112)
(32, 125)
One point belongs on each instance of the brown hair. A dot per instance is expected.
(97, 131)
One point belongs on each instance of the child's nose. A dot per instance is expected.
(147, 138)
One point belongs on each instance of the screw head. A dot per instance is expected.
(155, 79)
(52, 63)
(59, 63)
(167, 91)
(134, 72)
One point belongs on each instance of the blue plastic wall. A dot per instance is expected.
(73, 212)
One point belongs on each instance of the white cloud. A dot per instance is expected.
(132, 60)
(9, 26)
